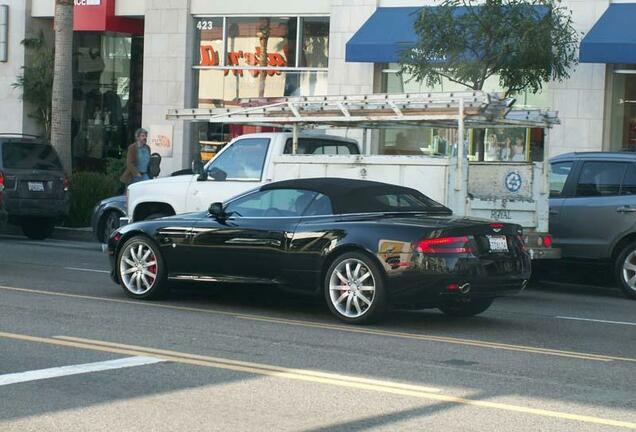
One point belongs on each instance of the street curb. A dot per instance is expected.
(60, 233)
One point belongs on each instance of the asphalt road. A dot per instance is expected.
(77, 355)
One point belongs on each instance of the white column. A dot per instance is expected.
(168, 74)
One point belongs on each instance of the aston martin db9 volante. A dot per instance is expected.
(363, 245)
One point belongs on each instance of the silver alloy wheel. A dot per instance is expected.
(138, 267)
(629, 270)
(352, 288)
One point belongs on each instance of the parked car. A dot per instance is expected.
(593, 211)
(106, 214)
(362, 245)
(35, 189)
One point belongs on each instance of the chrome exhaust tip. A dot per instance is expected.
(464, 288)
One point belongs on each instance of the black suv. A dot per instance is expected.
(34, 189)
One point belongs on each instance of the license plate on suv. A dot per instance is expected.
(498, 243)
(35, 186)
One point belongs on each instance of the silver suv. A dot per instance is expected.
(593, 210)
(34, 189)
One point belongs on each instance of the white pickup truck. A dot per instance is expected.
(244, 164)
(252, 160)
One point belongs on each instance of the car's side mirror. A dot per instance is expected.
(218, 174)
(216, 210)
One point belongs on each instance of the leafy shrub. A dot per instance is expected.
(87, 189)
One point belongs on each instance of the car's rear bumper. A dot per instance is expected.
(44, 207)
(435, 280)
(430, 293)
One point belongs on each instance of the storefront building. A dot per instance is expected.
(208, 53)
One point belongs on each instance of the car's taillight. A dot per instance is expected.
(1, 181)
(445, 245)
(67, 183)
(547, 241)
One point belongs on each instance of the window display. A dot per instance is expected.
(256, 57)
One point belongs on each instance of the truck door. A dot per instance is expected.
(235, 170)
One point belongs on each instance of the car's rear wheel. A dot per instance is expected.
(625, 270)
(110, 223)
(37, 228)
(141, 269)
(354, 289)
(468, 308)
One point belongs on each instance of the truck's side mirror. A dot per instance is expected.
(216, 210)
(218, 174)
(197, 166)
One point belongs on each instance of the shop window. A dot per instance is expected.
(315, 42)
(623, 109)
(256, 57)
(107, 95)
(513, 145)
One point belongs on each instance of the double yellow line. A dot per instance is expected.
(381, 386)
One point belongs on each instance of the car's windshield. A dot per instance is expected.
(29, 155)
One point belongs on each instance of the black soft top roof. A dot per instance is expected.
(349, 195)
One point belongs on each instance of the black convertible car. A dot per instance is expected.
(362, 245)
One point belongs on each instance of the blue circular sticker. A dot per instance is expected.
(513, 181)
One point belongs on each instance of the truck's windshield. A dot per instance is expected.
(243, 160)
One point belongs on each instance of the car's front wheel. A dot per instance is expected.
(141, 269)
(466, 308)
(354, 289)
(625, 270)
(37, 228)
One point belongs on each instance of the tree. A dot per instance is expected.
(36, 81)
(62, 93)
(525, 43)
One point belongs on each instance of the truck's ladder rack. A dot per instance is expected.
(477, 108)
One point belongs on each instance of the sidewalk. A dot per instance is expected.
(60, 233)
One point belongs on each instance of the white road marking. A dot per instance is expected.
(56, 372)
(597, 320)
(86, 270)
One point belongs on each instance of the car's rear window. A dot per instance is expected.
(29, 155)
(392, 201)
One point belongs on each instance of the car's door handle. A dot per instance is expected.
(626, 209)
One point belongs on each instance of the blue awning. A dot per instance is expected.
(613, 37)
(390, 30)
(385, 34)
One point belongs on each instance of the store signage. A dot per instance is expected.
(160, 140)
(210, 57)
(99, 16)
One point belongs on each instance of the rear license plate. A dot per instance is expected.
(498, 243)
(36, 186)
